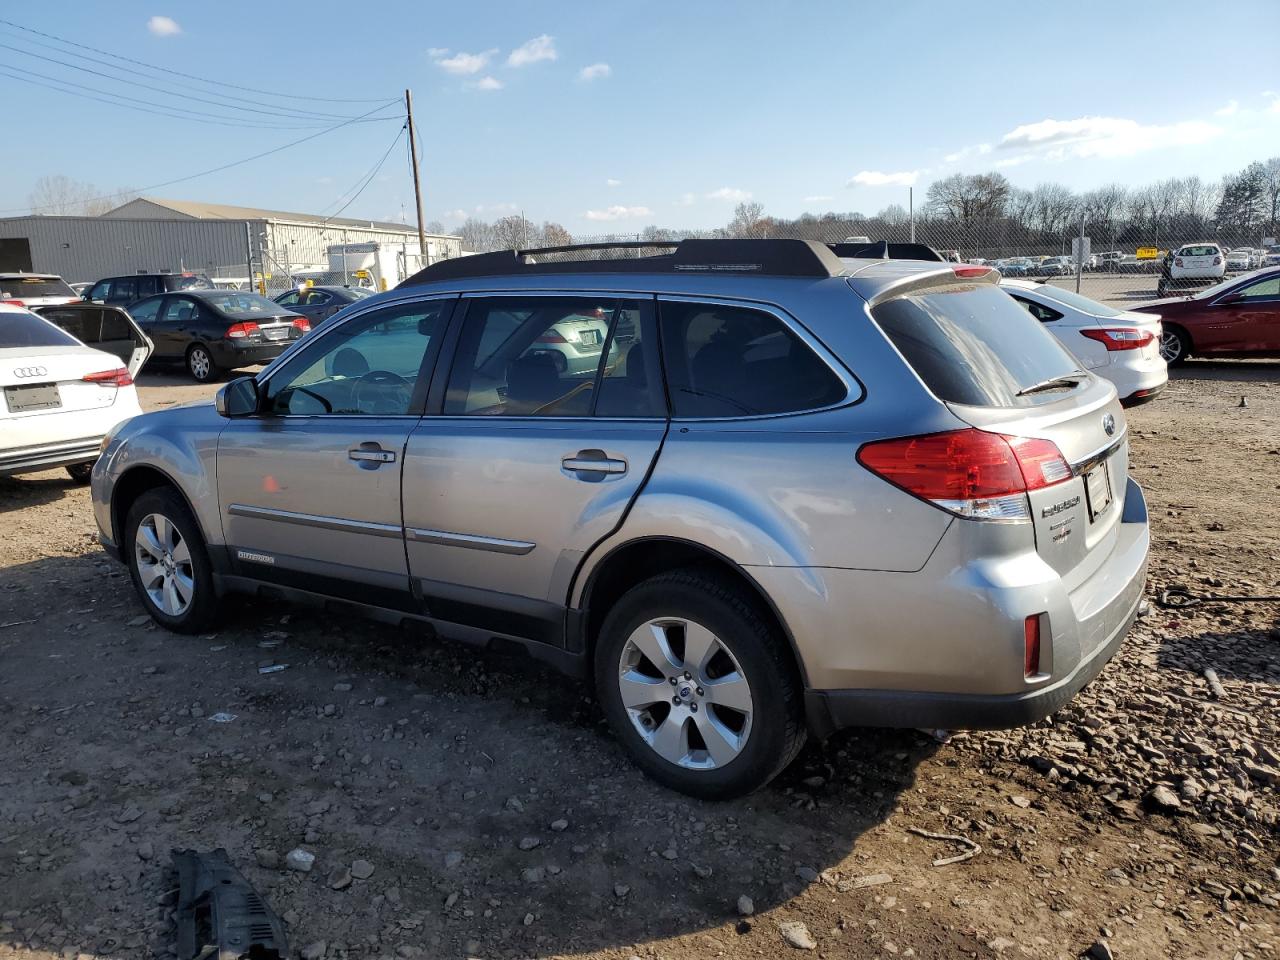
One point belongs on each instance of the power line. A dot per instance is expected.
(225, 166)
(157, 109)
(169, 79)
(290, 115)
(367, 179)
(189, 76)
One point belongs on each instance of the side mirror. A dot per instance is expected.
(1235, 297)
(239, 398)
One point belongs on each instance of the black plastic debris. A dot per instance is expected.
(220, 916)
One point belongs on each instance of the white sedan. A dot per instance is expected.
(60, 396)
(1124, 347)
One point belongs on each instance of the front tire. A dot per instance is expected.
(1175, 345)
(200, 364)
(168, 562)
(699, 686)
(81, 473)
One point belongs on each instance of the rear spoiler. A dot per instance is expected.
(884, 250)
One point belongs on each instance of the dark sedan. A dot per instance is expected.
(318, 304)
(1239, 317)
(209, 331)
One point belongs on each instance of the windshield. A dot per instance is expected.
(975, 345)
(191, 283)
(1077, 302)
(245, 305)
(22, 329)
(22, 288)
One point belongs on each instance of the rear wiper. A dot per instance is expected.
(1066, 380)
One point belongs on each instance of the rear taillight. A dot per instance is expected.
(971, 473)
(239, 331)
(551, 337)
(109, 378)
(1031, 646)
(1122, 338)
(971, 271)
(301, 324)
(14, 303)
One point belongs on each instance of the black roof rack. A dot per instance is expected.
(777, 258)
(884, 250)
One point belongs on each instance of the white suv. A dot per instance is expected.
(1195, 261)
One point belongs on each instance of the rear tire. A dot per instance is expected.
(200, 364)
(80, 472)
(1175, 345)
(168, 562)
(699, 686)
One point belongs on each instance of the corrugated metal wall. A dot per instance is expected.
(89, 248)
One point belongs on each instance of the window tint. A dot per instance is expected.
(149, 286)
(1082, 303)
(179, 310)
(245, 305)
(972, 344)
(733, 362)
(1201, 250)
(21, 288)
(21, 329)
(186, 282)
(90, 326)
(124, 289)
(1262, 290)
(542, 357)
(101, 290)
(369, 366)
(146, 311)
(317, 298)
(1039, 311)
(290, 299)
(630, 384)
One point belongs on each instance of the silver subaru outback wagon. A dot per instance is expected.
(791, 491)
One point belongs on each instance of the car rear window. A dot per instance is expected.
(28, 330)
(1072, 299)
(1203, 250)
(190, 283)
(974, 345)
(245, 305)
(20, 288)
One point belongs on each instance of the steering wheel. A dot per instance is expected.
(381, 391)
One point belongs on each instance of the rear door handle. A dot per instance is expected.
(371, 454)
(595, 463)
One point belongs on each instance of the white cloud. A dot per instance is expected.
(463, 64)
(729, 193)
(596, 71)
(539, 48)
(816, 198)
(496, 208)
(435, 53)
(489, 83)
(163, 26)
(1232, 108)
(964, 153)
(687, 200)
(454, 216)
(1004, 163)
(874, 178)
(1106, 136)
(611, 182)
(618, 213)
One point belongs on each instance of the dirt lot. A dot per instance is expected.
(500, 819)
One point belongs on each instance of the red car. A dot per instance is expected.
(1239, 317)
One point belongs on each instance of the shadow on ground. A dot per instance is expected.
(436, 785)
(19, 493)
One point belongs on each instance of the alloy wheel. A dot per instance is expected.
(164, 565)
(685, 693)
(1170, 346)
(200, 363)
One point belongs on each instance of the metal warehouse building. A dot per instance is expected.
(151, 235)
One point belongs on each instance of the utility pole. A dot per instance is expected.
(911, 211)
(417, 184)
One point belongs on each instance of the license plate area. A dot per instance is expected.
(1097, 489)
(589, 337)
(26, 399)
(275, 333)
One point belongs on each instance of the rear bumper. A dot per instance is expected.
(943, 647)
(47, 456)
(233, 357)
(1145, 395)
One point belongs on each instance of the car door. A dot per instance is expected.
(109, 329)
(1255, 310)
(178, 326)
(309, 487)
(146, 314)
(551, 420)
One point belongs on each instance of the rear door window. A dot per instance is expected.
(1038, 310)
(726, 361)
(975, 345)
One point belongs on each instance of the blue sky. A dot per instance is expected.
(686, 108)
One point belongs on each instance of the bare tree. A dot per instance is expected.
(515, 233)
(895, 214)
(477, 235)
(969, 197)
(60, 196)
(554, 235)
(747, 220)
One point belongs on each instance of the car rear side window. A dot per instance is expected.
(975, 345)
(725, 361)
(27, 330)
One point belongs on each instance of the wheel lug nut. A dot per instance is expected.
(673, 681)
(676, 701)
(699, 691)
(693, 707)
(688, 675)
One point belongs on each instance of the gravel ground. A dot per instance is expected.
(460, 804)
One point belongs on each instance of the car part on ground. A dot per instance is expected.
(869, 491)
(220, 916)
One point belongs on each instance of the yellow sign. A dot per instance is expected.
(1148, 253)
(362, 274)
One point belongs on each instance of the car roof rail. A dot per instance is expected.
(884, 250)
(776, 258)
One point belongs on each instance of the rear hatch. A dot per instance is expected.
(997, 369)
(1199, 258)
(44, 370)
(109, 329)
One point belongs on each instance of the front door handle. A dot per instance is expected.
(370, 456)
(593, 465)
